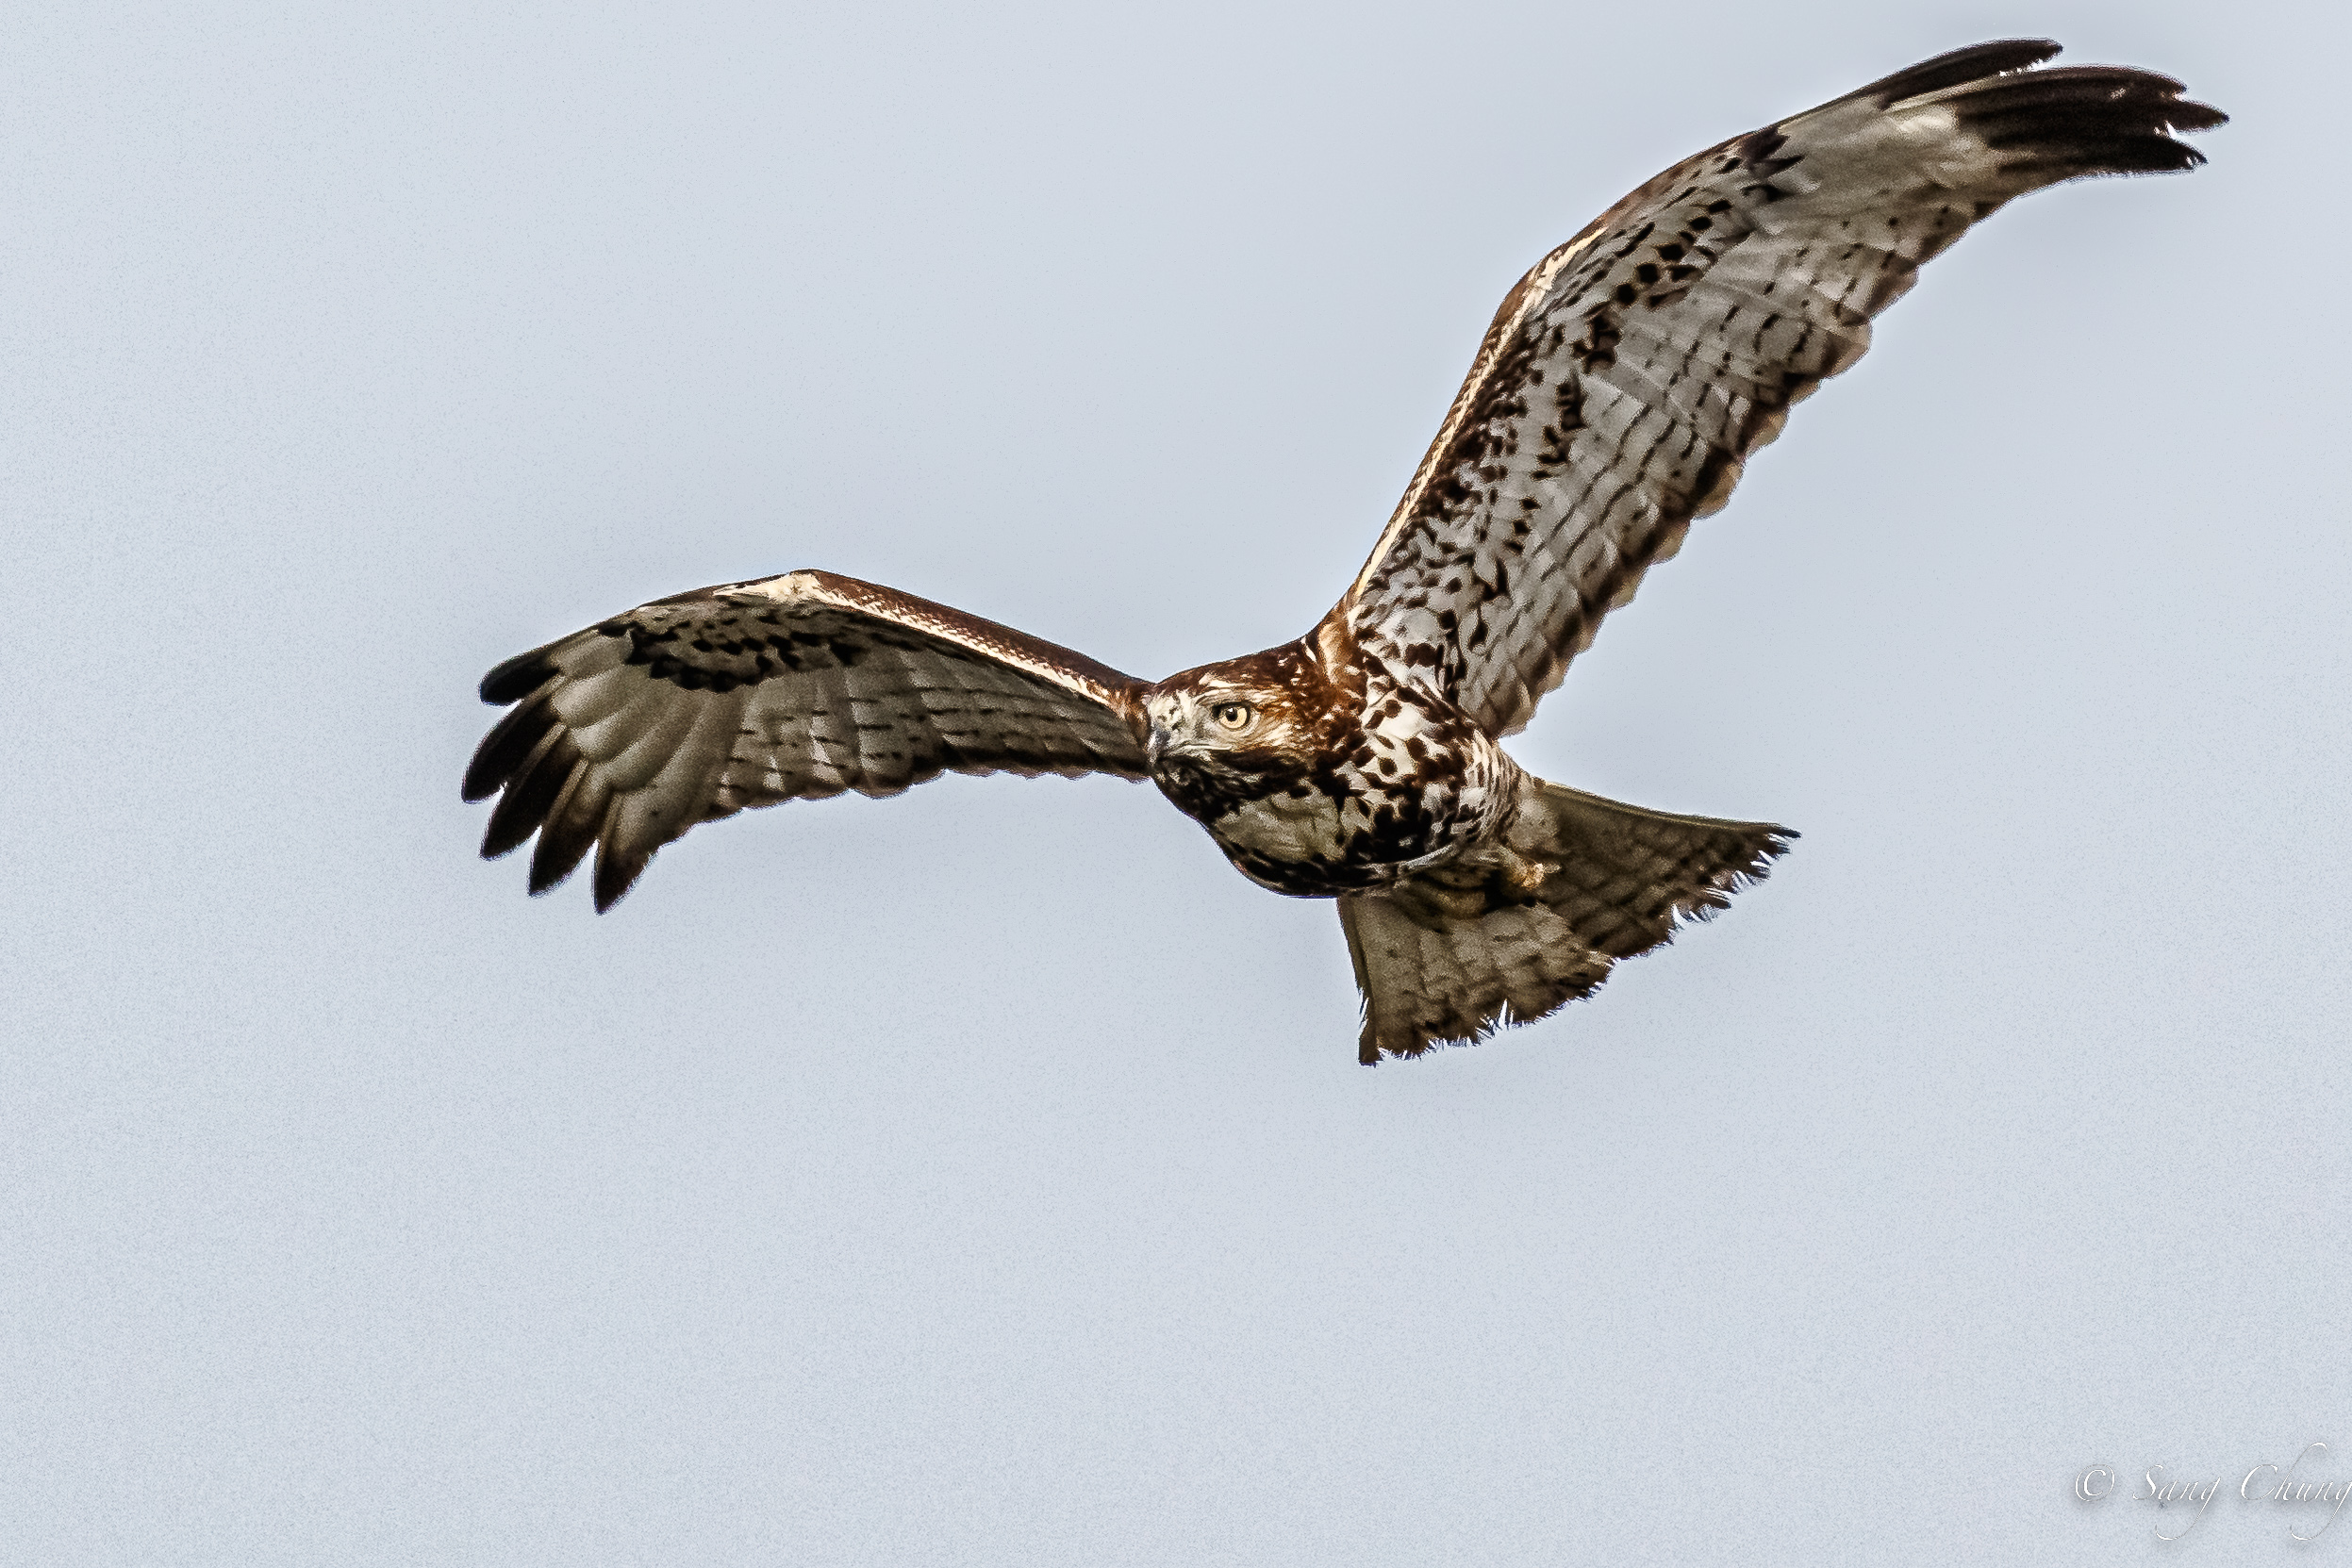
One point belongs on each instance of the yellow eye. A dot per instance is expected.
(1231, 716)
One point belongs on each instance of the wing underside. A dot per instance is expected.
(1632, 373)
(624, 735)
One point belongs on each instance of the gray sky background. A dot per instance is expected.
(984, 1176)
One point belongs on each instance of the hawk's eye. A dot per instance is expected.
(1231, 716)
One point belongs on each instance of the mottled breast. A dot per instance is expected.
(1407, 782)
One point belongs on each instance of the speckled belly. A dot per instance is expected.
(1295, 842)
(1313, 843)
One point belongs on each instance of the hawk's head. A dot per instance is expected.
(1228, 734)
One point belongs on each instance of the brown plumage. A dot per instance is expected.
(1624, 382)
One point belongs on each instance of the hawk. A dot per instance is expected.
(1622, 385)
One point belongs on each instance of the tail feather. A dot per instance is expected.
(1629, 877)
(1452, 956)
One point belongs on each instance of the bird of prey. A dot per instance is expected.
(1624, 382)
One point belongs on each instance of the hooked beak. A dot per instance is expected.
(1155, 745)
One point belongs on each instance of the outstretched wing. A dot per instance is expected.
(691, 709)
(1629, 374)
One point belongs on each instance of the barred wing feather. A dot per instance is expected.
(1628, 376)
(624, 735)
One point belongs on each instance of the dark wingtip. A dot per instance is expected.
(617, 871)
(507, 751)
(548, 871)
(2088, 119)
(571, 827)
(517, 678)
(1974, 63)
(531, 792)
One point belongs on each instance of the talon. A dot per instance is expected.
(1527, 876)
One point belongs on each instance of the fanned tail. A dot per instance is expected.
(1450, 957)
